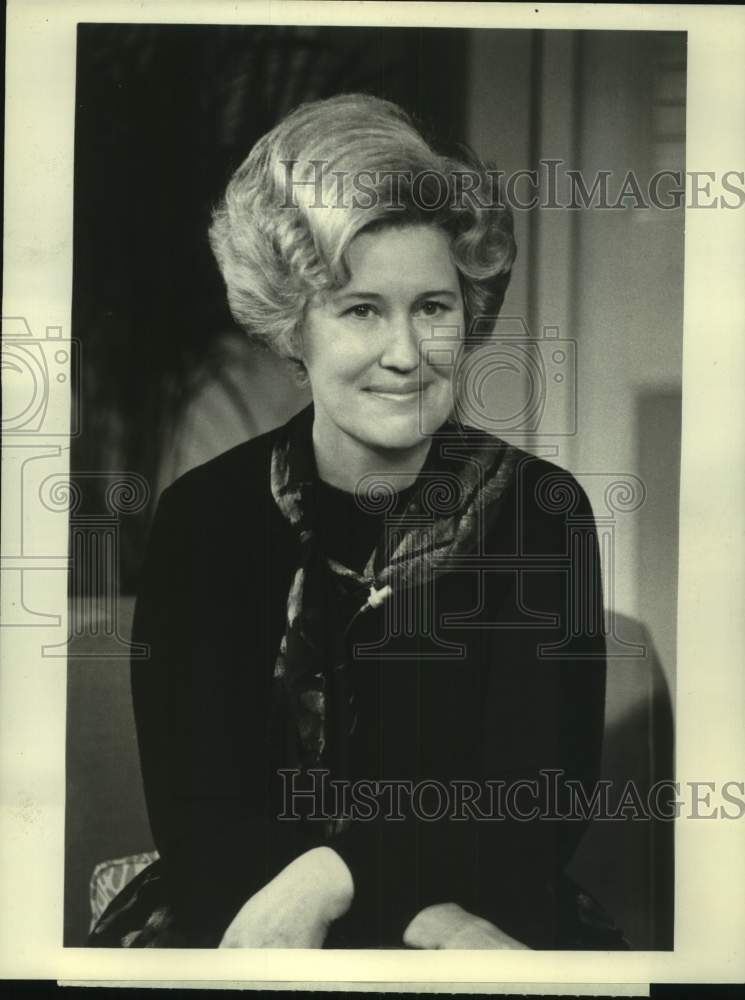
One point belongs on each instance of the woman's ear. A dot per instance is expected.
(301, 372)
(298, 354)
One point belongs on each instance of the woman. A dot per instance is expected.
(372, 600)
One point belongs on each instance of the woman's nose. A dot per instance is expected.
(402, 346)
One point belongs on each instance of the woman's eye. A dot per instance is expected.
(432, 308)
(360, 311)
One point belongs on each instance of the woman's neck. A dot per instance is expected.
(345, 462)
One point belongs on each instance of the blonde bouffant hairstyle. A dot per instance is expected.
(327, 171)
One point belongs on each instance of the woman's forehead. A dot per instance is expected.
(401, 255)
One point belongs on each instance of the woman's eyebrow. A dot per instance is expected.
(376, 295)
(358, 295)
(437, 292)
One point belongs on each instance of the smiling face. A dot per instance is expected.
(378, 390)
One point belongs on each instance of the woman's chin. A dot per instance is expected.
(400, 434)
(404, 426)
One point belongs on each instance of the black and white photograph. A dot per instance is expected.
(374, 424)
(380, 496)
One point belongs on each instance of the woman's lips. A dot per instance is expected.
(401, 394)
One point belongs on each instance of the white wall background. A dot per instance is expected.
(612, 281)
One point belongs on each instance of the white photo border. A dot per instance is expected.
(710, 736)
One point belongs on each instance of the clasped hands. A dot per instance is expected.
(296, 909)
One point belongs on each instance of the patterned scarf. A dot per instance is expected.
(455, 499)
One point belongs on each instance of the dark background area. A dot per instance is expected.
(164, 116)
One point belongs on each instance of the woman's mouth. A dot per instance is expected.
(397, 394)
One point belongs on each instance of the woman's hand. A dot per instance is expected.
(447, 925)
(297, 907)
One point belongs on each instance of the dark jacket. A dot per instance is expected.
(507, 685)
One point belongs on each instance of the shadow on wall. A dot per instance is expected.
(657, 413)
(627, 865)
